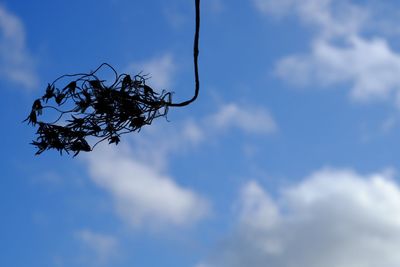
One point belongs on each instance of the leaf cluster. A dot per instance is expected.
(89, 109)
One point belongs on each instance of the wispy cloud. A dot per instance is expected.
(137, 175)
(161, 70)
(98, 248)
(340, 53)
(373, 77)
(329, 18)
(144, 195)
(16, 63)
(254, 120)
(332, 218)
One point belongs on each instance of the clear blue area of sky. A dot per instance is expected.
(239, 50)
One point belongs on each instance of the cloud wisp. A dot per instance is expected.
(137, 176)
(144, 192)
(103, 248)
(332, 218)
(253, 120)
(144, 195)
(16, 63)
(161, 69)
(340, 53)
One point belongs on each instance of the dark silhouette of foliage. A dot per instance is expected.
(95, 109)
(92, 110)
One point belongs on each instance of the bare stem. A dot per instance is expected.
(195, 60)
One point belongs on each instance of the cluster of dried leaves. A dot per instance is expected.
(87, 107)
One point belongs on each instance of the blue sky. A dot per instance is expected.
(289, 157)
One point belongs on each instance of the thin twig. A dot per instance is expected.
(195, 60)
(96, 109)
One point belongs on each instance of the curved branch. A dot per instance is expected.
(195, 60)
(100, 110)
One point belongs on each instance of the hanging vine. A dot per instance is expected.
(89, 110)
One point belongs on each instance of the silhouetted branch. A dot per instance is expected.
(88, 107)
(95, 109)
(195, 60)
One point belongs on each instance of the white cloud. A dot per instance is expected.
(192, 132)
(144, 195)
(255, 120)
(330, 18)
(373, 70)
(16, 64)
(332, 218)
(340, 54)
(257, 208)
(161, 71)
(102, 247)
(158, 143)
